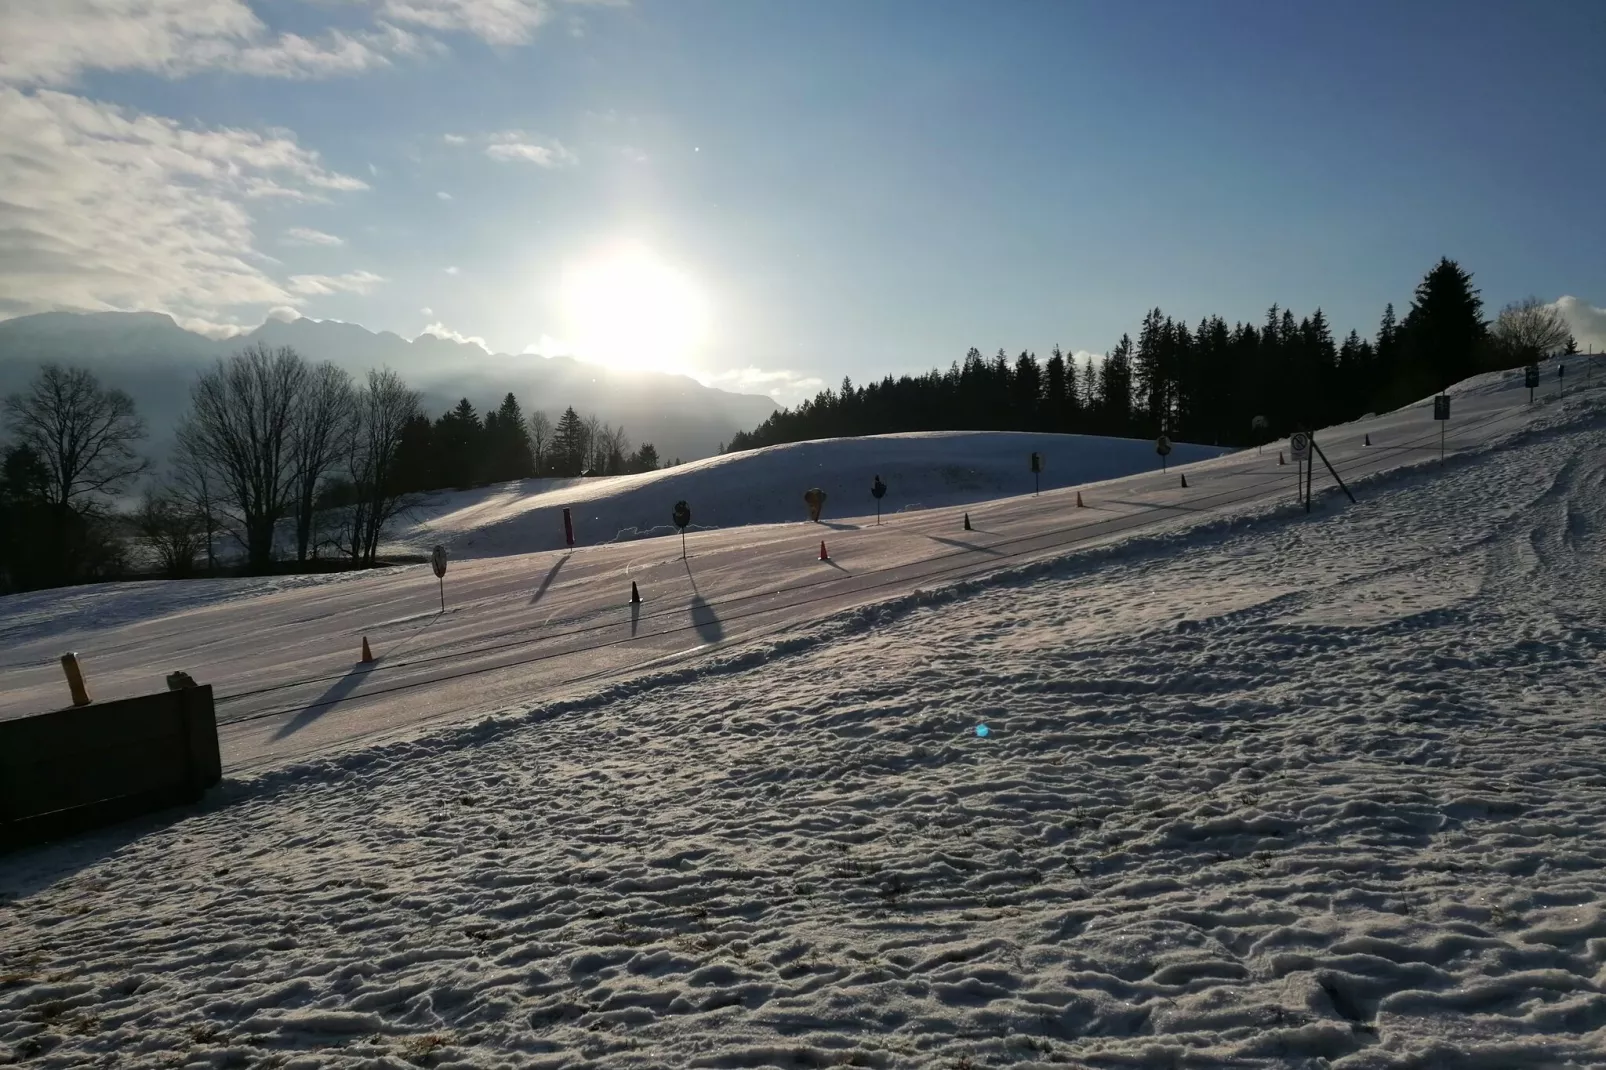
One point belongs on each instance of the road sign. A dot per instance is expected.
(1441, 407)
(682, 515)
(437, 561)
(1531, 376)
(1162, 446)
(1037, 462)
(878, 489)
(1299, 445)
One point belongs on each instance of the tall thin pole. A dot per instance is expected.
(442, 581)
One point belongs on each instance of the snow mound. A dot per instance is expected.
(765, 486)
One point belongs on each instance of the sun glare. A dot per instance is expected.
(629, 310)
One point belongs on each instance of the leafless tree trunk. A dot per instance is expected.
(195, 485)
(84, 434)
(323, 421)
(540, 439)
(383, 407)
(241, 430)
(1529, 329)
(593, 438)
(615, 448)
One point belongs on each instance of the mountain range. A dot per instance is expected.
(155, 360)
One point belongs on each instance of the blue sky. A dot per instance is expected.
(834, 188)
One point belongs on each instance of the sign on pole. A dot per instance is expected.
(682, 517)
(1530, 379)
(1561, 389)
(1037, 468)
(878, 490)
(1441, 413)
(1299, 445)
(1162, 446)
(437, 561)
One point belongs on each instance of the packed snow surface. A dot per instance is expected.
(766, 486)
(1257, 790)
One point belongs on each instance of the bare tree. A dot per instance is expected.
(194, 484)
(170, 530)
(614, 450)
(324, 417)
(540, 439)
(82, 432)
(1529, 329)
(383, 407)
(592, 435)
(240, 430)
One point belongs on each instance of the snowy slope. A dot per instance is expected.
(766, 486)
(1258, 791)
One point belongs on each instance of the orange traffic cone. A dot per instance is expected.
(1280, 457)
(367, 655)
(1079, 504)
(823, 555)
(635, 595)
(967, 523)
(1184, 479)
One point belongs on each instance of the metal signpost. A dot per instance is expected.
(1037, 468)
(878, 490)
(1441, 413)
(1299, 450)
(568, 529)
(1530, 379)
(1561, 387)
(1162, 446)
(682, 517)
(437, 561)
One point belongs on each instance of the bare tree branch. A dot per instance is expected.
(83, 433)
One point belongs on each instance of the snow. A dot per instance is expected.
(1258, 790)
(765, 486)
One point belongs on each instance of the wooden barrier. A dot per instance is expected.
(81, 768)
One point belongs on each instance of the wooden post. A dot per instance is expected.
(75, 679)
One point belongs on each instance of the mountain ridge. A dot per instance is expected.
(155, 359)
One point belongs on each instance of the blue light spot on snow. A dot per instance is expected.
(981, 730)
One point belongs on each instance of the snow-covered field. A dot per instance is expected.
(1257, 790)
(921, 471)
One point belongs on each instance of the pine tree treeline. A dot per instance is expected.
(462, 450)
(1205, 383)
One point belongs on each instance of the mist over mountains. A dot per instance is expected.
(155, 361)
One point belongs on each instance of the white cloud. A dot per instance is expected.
(454, 139)
(1587, 322)
(440, 330)
(426, 311)
(106, 208)
(781, 384)
(443, 195)
(512, 145)
(356, 282)
(454, 270)
(284, 314)
(53, 42)
(308, 236)
(500, 22)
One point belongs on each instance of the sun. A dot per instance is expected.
(627, 309)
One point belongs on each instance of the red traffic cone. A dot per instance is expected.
(367, 655)
(635, 595)
(1079, 504)
(967, 523)
(1184, 479)
(823, 555)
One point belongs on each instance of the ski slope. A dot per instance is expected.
(1258, 790)
(282, 655)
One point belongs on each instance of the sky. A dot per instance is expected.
(772, 196)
